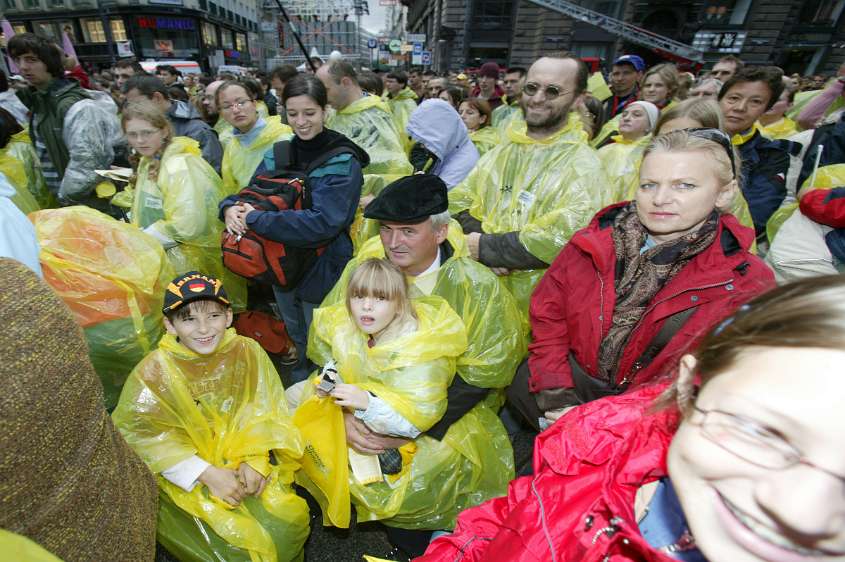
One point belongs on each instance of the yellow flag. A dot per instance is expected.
(598, 87)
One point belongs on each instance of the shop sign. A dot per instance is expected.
(230, 54)
(124, 49)
(175, 24)
(166, 2)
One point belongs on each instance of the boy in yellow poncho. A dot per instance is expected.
(206, 412)
(397, 359)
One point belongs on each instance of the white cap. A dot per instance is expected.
(650, 110)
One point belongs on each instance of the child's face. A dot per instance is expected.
(372, 314)
(202, 329)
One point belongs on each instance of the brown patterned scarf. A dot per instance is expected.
(641, 275)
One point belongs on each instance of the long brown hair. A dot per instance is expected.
(808, 313)
(146, 110)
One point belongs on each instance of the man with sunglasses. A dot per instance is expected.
(525, 198)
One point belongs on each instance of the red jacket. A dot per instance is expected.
(579, 505)
(572, 307)
(825, 206)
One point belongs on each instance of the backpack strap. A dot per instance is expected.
(326, 157)
(670, 328)
(281, 155)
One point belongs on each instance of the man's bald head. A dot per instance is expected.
(209, 97)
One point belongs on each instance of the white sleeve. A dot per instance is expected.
(382, 418)
(184, 474)
(165, 241)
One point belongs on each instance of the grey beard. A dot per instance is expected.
(550, 125)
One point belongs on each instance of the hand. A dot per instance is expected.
(554, 415)
(366, 200)
(235, 219)
(350, 396)
(251, 480)
(473, 240)
(500, 271)
(364, 440)
(224, 484)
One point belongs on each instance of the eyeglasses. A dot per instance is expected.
(238, 104)
(748, 440)
(552, 91)
(142, 134)
(717, 136)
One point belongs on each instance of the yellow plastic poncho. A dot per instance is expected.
(497, 341)
(502, 115)
(611, 127)
(827, 177)
(240, 161)
(544, 189)
(621, 161)
(401, 107)
(803, 98)
(15, 172)
(224, 131)
(227, 408)
(23, 549)
(113, 278)
(486, 139)
(181, 204)
(412, 374)
(20, 148)
(369, 123)
(781, 129)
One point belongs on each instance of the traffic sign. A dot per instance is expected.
(395, 45)
(415, 37)
(418, 48)
(426, 58)
(372, 43)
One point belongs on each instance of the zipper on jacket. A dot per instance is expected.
(627, 379)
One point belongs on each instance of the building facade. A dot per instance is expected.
(803, 36)
(211, 32)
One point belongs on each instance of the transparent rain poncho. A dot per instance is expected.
(228, 408)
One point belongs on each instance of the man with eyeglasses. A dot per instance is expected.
(526, 198)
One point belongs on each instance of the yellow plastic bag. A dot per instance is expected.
(228, 408)
(325, 470)
(22, 549)
(113, 278)
(598, 87)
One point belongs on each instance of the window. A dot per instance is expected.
(31, 4)
(817, 12)
(10, 5)
(92, 31)
(209, 34)
(118, 31)
(226, 39)
(45, 29)
(19, 28)
(240, 42)
(57, 3)
(494, 14)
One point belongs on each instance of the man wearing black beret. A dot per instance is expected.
(415, 234)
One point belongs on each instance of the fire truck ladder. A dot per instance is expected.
(625, 30)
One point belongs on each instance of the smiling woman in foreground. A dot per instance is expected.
(754, 471)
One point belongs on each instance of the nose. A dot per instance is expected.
(662, 195)
(806, 505)
(368, 303)
(741, 105)
(394, 238)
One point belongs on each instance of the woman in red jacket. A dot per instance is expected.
(754, 473)
(636, 288)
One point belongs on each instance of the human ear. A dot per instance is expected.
(168, 325)
(229, 317)
(725, 197)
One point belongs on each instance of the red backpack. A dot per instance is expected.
(269, 261)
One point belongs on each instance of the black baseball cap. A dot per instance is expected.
(193, 286)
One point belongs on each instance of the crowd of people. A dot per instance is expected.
(641, 270)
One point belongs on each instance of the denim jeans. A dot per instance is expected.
(297, 315)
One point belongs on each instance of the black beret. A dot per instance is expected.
(410, 200)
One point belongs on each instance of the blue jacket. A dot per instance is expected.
(765, 165)
(335, 189)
